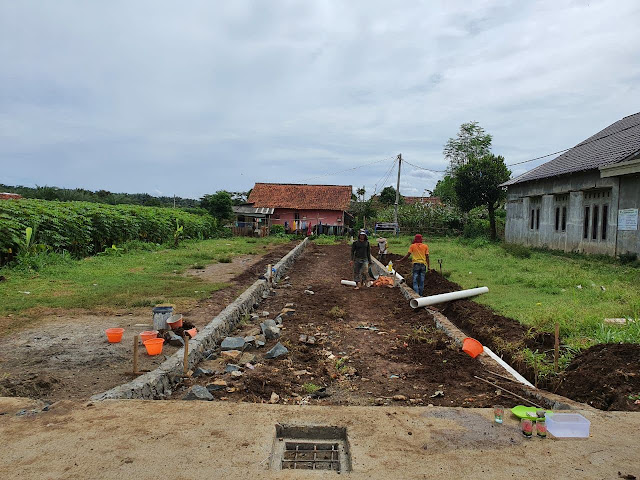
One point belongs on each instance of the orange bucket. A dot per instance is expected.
(154, 346)
(472, 347)
(191, 332)
(148, 335)
(175, 321)
(114, 335)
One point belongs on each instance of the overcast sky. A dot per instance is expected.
(191, 97)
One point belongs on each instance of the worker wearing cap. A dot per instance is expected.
(420, 257)
(382, 250)
(360, 258)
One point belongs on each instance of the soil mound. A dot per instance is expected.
(606, 376)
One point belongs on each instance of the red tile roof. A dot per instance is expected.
(423, 200)
(9, 196)
(301, 196)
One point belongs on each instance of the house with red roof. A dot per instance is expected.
(302, 207)
(9, 196)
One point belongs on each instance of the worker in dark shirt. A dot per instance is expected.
(360, 259)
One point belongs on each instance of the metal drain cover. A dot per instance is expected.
(322, 448)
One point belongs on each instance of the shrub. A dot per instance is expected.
(275, 229)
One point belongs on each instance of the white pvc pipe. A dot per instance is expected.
(507, 367)
(349, 283)
(446, 297)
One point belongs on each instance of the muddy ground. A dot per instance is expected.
(604, 376)
(405, 358)
(66, 355)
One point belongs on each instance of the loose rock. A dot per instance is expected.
(399, 398)
(231, 354)
(247, 358)
(232, 367)
(175, 340)
(277, 351)
(198, 392)
(232, 343)
(309, 292)
(198, 372)
(275, 398)
(270, 330)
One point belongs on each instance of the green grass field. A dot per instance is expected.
(136, 278)
(543, 289)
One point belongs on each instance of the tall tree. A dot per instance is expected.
(388, 196)
(219, 205)
(446, 190)
(478, 183)
(471, 142)
(361, 192)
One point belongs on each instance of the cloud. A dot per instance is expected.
(192, 98)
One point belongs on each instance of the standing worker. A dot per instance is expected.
(360, 258)
(382, 250)
(420, 257)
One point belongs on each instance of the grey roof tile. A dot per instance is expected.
(614, 144)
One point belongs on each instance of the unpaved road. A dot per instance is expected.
(185, 440)
(406, 357)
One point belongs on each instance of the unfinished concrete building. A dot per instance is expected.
(585, 200)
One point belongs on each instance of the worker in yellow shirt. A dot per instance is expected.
(420, 257)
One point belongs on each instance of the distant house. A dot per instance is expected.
(9, 196)
(248, 219)
(422, 200)
(298, 206)
(585, 200)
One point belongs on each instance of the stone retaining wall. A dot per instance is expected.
(548, 399)
(160, 382)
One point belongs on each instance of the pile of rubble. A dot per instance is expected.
(239, 354)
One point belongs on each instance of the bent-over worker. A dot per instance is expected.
(420, 257)
(360, 258)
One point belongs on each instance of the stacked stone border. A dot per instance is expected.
(548, 399)
(159, 383)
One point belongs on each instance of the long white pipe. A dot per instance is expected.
(446, 297)
(349, 283)
(507, 367)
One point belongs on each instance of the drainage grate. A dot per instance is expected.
(311, 456)
(321, 448)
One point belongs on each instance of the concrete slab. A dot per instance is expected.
(119, 439)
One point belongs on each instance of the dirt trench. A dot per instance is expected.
(401, 355)
(605, 376)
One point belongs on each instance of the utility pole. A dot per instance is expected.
(395, 214)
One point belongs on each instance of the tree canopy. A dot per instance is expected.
(478, 183)
(470, 142)
(445, 189)
(218, 205)
(388, 196)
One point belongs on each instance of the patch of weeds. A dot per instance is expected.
(422, 334)
(446, 273)
(341, 364)
(225, 259)
(517, 250)
(311, 388)
(337, 312)
(147, 302)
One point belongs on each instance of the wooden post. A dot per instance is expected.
(556, 347)
(185, 361)
(135, 355)
(269, 278)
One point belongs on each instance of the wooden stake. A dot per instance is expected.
(556, 347)
(185, 361)
(269, 277)
(135, 355)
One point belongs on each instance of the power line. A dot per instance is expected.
(384, 178)
(542, 156)
(346, 170)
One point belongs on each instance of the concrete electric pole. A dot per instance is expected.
(395, 215)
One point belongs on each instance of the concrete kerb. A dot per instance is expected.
(158, 384)
(548, 399)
